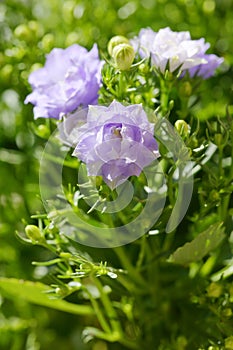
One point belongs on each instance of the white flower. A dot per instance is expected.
(171, 50)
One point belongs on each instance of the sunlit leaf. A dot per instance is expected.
(202, 245)
(37, 293)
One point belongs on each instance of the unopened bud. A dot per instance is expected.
(23, 32)
(5, 73)
(218, 140)
(43, 131)
(115, 41)
(33, 233)
(229, 343)
(214, 290)
(65, 255)
(36, 28)
(47, 42)
(123, 56)
(227, 312)
(183, 128)
(185, 89)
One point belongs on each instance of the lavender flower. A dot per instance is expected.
(206, 70)
(176, 50)
(71, 77)
(116, 142)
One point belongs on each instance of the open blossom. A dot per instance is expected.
(116, 142)
(71, 77)
(206, 70)
(172, 50)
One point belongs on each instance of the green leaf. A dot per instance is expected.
(37, 293)
(202, 245)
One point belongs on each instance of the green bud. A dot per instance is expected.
(138, 99)
(218, 140)
(34, 233)
(47, 42)
(115, 41)
(171, 105)
(23, 32)
(214, 196)
(36, 28)
(227, 312)
(185, 89)
(72, 38)
(35, 66)
(229, 343)
(43, 131)
(144, 68)
(5, 73)
(65, 255)
(214, 290)
(183, 128)
(123, 56)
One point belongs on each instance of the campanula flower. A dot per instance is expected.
(176, 51)
(116, 142)
(70, 78)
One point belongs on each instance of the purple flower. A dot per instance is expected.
(71, 77)
(206, 70)
(176, 50)
(116, 142)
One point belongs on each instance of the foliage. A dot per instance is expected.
(166, 290)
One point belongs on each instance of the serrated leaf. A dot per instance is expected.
(202, 245)
(37, 293)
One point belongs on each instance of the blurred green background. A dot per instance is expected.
(29, 29)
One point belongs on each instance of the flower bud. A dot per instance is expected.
(47, 42)
(144, 68)
(185, 89)
(123, 56)
(214, 290)
(36, 28)
(33, 233)
(115, 41)
(43, 131)
(227, 312)
(23, 32)
(65, 255)
(229, 343)
(183, 128)
(218, 140)
(5, 73)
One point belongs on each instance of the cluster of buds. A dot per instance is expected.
(121, 51)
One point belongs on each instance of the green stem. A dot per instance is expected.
(164, 97)
(127, 265)
(165, 89)
(130, 344)
(117, 333)
(110, 311)
(103, 322)
(223, 207)
(142, 252)
(122, 86)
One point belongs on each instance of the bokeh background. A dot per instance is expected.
(29, 29)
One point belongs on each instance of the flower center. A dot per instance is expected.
(116, 131)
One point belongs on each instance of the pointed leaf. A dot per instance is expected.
(202, 245)
(37, 293)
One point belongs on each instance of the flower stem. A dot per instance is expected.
(110, 311)
(127, 265)
(101, 318)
